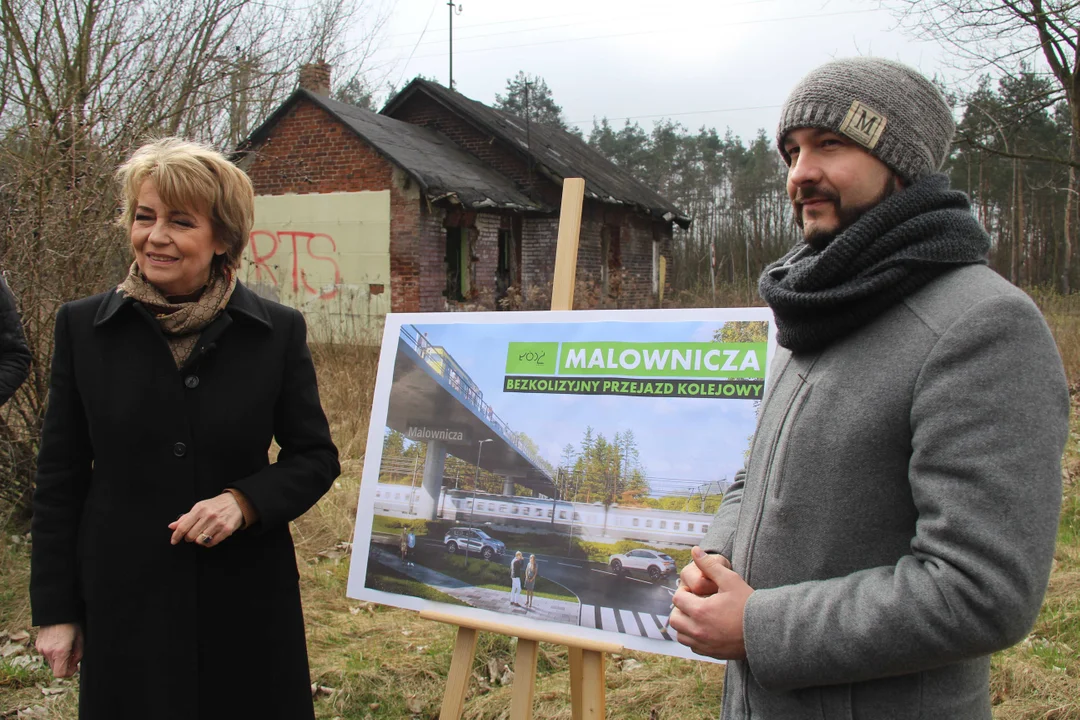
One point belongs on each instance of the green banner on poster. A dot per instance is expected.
(729, 361)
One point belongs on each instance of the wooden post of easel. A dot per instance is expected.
(587, 698)
(562, 288)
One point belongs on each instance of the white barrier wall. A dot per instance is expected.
(327, 255)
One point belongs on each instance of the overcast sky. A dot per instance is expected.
(718, 63)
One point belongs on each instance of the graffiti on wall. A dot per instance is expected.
(304, 248)
(326, 255)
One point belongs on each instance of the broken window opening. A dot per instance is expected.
(458, 270)
(610, 259)
(507, 266)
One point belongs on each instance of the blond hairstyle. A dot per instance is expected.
(190, 176)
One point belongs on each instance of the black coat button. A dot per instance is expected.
(192, 381)
(179, 449)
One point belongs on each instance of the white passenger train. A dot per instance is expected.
(527, 514)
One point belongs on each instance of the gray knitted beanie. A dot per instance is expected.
(888, 108)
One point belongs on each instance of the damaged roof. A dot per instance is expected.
(560, 153)
(442, 169)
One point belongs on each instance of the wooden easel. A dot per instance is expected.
(587, 699)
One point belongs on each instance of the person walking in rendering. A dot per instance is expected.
(162, 557)
(517, 571)
(531, 571)
(410, 545)
(895, 522)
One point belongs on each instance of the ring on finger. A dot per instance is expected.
(205, 539)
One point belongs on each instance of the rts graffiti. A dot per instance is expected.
(311, 253)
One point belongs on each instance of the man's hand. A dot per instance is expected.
(696, 582)
(711, 623)
(209, 521)
(62, 646)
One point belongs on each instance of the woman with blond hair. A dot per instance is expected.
(531, 573)
(162, 558)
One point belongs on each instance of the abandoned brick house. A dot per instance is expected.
(436, 202)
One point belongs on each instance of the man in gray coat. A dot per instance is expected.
(895, 521)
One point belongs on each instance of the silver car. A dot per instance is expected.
(475, 540)
(651, 563)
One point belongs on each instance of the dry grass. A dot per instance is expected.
(21, 687)
(1063, 316)
(378, 662)
(15, 570)
(346, 382)
(730, 295)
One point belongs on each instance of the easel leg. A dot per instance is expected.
(457, 684)
(591, 704)
(521, 703)
(576, 670)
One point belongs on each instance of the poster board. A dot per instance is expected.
(599, 442)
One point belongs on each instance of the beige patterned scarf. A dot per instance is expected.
(182, 322)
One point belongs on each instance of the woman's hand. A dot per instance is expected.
(62, 646)
(208, 522)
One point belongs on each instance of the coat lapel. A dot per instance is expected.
(114, 301)
(244, 305)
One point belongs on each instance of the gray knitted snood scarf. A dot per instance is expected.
(890, 252)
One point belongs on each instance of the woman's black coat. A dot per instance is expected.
(129, 443)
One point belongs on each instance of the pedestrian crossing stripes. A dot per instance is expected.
(629, 622)
(608, 620)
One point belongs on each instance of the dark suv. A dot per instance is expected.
(477, 541)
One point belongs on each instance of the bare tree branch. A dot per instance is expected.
(1054, 160)
(81, 83)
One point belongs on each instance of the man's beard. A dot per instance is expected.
(819, 238)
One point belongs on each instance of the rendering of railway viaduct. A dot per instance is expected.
(433, 400)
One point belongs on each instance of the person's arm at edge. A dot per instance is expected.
(15, 356)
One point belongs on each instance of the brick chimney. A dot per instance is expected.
(315, 77)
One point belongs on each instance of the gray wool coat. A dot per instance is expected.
(898, 511)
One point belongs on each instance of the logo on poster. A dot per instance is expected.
(538, 358)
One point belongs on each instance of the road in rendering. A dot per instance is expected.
(626, 604)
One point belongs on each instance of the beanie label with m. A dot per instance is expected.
(863, 124)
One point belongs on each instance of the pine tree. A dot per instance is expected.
(528, 96)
